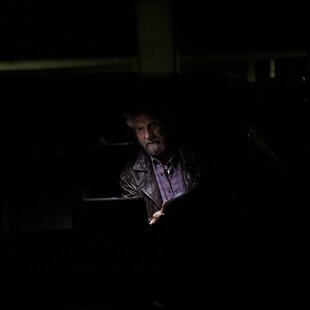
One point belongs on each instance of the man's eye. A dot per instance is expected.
(155, 124)
(140, 129)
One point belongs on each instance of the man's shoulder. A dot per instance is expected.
(186, 152)
(136, 162)
(189, 157)
(128, 167)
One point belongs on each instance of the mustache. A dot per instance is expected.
(152, 141)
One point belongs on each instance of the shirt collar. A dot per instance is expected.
(171, 162)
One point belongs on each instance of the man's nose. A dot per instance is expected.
(149, 134)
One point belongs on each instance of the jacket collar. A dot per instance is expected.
(142, 163)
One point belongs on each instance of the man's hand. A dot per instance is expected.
(156, 216)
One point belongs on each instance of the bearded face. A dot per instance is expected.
(149, 134)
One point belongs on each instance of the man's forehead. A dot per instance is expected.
(143, 118)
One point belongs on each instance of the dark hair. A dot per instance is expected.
(159, 110)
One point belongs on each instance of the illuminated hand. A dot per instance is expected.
(156, 216)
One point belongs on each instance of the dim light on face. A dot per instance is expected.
(148, 131)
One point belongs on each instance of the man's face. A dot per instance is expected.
(149, 134)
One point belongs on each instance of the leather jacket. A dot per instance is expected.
(138, 180)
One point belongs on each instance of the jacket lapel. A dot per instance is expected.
(146, 179)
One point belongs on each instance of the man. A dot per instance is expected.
(163, 170)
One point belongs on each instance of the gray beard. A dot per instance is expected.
(155, 149)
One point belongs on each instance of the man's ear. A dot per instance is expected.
(134, 135)
(129, 122)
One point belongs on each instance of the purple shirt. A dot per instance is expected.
(169, 178)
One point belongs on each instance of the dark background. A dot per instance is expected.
(54, 123)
